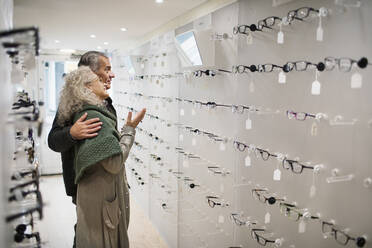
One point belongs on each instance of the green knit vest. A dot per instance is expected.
(106, 144)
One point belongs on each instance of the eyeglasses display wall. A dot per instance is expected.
(21, 200)
(268, 144)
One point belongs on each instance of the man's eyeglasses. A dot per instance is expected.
(340, 236)
(300, 116)
(259, 195)
(295, 166)
(243, 68)
(240, 146)
(299, 66)
(200, 73)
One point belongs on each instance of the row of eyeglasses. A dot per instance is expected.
(25, 202)
(328, 64)
(299, 14)
(241, 109)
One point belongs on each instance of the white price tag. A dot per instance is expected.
(302, 226)
(248, 124)
(282, 77)
(267, 218)
(182, 112)
(222, 188)
(280, 39)
(185, 163)
(356, 80)
(249, 39)
(180, 137)
(312, 191)
(193, 112)
(221, 219)
(222, 146)
(251, 87)
(315, 88)
(314, 129)
(142, 65)
(193, 141)
(248, 161)
(319, 34)
(277, 175)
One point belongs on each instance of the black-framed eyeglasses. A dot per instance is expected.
(298, 66)
(300, 13)
(243, 68)
(38, 208)
(292, 212)
(200, 73)
(259, 238)
(22, 194)
(239, 109)
(19, 237)
(295, 166)
(25, 184)
(259, 194)
(268, 22)
(240, 146)
(344, 64)
(241, 29)
(268, 67)
(212, 201)
(300, 116)
(340, 236)
(213, 105)
(265, 155)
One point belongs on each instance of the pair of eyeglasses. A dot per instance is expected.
(300, 116)
(259, 194)
(244, 29)
(268, 22)
(239, 109)
(238, 222)
(200, 73)
(293, 213)
(38, 209)
(268, 67)
(259, 238)
(243, 68)
(213, 105)
(212, 201)
(265, 155)
(19, 237)
(295, 166)
(18, 175)
(217, 170)
(344, 64)
(240, 146)
(300, 13)
(18, 196)
(340, 236)
(300, 66)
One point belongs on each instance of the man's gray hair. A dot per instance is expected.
(91, 59)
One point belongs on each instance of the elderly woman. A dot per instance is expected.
(102, 194)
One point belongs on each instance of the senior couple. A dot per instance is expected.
(93, 153)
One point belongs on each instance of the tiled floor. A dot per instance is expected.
(56, 229)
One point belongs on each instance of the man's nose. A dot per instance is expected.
(112, 75)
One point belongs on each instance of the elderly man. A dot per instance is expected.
(63, 138)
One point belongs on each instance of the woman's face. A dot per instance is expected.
(98, 88)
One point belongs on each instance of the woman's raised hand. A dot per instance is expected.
(137, 118)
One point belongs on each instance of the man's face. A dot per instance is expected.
(104, 72)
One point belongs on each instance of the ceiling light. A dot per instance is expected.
(67, 50)
(99, 47)
(159, 1)
(56, 41)
(105, 43)
(123, 29)
(92, 36)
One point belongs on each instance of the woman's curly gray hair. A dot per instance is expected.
(75, 94)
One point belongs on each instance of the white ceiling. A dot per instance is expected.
(73, 21)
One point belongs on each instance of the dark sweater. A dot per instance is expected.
(60, 140)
